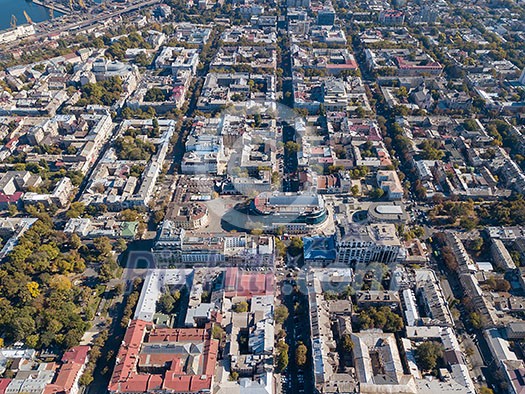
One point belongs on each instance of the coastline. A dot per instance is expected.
(55, 7)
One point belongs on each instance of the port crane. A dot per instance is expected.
(81, 3)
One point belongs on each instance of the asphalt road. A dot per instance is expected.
(299, 380)
(290, 177)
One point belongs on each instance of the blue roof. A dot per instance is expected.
(317, 248)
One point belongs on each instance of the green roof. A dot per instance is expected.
(129, 229)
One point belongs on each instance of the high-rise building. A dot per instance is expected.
(326, 17)
(368, 244)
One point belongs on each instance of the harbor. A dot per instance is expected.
(14, 13)
(53, 6)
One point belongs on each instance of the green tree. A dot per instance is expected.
(377, 193)
(516, 257)
(402, 92)
(121, 245)
(347, 343)
(383, 318)
(469, 223)
(300, 354)
(333, 169)
(431, 150)
(281, 314)
(428, 354)
(257, 119)
(142, 59)
(75, 210)
(477, 244)
(218, 332)
(276, 178)
(240, 307)
(155, 95)
(296, 246)
(13, 211)
(282, 356)
(108, 270)
(76, 177)
(166, 303)
(476, 320)
(103, 246)
(130, 215)
(282, 361)
(23, 326)
(498, 284)
(129, 148)
(257, 231)
(101, 93)
(128, 309)
(292, 147)
(280, 247)
(485, 390)
(155, 127)
(75, 241)
(470, 125)
(86, 379)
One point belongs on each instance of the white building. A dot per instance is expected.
(154, 285)
(367, 244)
(378, 364)
(389, 182)
(501, 255)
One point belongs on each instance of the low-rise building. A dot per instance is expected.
(391, 17)
(389, 182)
(295, 212)
(178, 59)
(378, 364)
(220, 90)
(501, 255)
(73, 366)
(378, 298)
(429, 290)
(173, 360)
(330, 60)
(174, 246)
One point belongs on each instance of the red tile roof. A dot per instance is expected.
(126, 378)
(3, 384)
(187, 383)
(349, 65)
(247, 284)
(231, 278)
(68, 375)
(177, 335)
(77, 354)
(127, 355)
(161, 360)
(10, 198)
